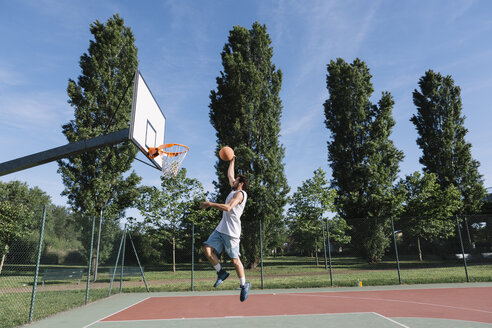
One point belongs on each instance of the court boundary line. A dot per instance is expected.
(391, 320)
(239, 317)
(129, 306)
(400, 301)
(323, 294)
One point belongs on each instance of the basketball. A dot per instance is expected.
(226, 153)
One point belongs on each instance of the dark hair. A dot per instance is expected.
(244, 180)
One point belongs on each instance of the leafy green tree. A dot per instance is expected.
(306, 216)
(428, 210)
(18, 206)
(94, 181)
(363, 159)
(62, 231)
(166, 210)
(440, 125)
(245, 111)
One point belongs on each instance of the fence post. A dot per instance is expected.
(324, 245)
(261, 254)
(329, 251)
(115, 266)
(396, 250)
(192, 256)
(33, 297)
(96, 265)
(138, 261)
(468, 233)
(123, 259)
(462, 249)
(90, 261)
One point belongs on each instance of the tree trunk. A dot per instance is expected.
(174, 254)
(4, 255)
(420, 250)
(253, 265)
(93, 267)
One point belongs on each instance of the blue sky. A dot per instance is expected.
(179, 45)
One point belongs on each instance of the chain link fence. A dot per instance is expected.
(42, 275)
(456, 250)
(405, 256)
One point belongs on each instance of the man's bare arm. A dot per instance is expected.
(237, 199)
(230, 171)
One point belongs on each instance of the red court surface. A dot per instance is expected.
(469, 304)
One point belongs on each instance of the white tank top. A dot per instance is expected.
(231, 220)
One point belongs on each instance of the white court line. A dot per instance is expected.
(382, 316)
(238, 317)
(129, 306)
(393, 300)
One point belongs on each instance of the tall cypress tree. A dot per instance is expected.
(440, 125)
(102, 97)
(245, 110)
(364, 161)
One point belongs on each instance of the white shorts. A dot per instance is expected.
(220, 241)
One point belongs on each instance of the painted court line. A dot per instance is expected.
(391, 320)
(398, 301)
(129, 306)
(380, 304)
(242, 317)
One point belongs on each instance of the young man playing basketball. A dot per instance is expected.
(227, 233)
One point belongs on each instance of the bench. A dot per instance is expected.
(62, 274)
(127, 271)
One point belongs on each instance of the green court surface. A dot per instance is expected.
(209, 308)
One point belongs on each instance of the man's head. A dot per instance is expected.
(241, 179)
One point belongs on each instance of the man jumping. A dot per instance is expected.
(228, 232)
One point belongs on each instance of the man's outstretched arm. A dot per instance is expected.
(237, 199)
(230, 171)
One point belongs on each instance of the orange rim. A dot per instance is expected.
(155, 151)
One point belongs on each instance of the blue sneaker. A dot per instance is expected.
(244, 291)
(221, 276)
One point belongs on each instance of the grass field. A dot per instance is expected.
(280, 272)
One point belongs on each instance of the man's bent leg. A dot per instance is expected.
(214, 260)
(210, 255)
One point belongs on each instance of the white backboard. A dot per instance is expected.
(148, 123)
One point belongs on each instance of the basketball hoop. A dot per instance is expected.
(172, 156)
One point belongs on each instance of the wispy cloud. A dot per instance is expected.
(9, 77)
(326, 30)
(37, 110)
(302, 123)
(461, 7)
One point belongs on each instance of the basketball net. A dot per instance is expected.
(172, 156)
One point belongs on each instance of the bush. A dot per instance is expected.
(74, 257)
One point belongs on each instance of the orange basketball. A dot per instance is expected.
(226, 153)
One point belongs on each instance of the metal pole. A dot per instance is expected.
(90, 261)
(138, 261)
(462, 249)
(33, 296)
(96, 265)
(329, 251)
(115, 267)
(192, 255)
(123, 259)
(57, 153)
(396, 250)
(324, 245)
(468, 233)
(261, 254)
